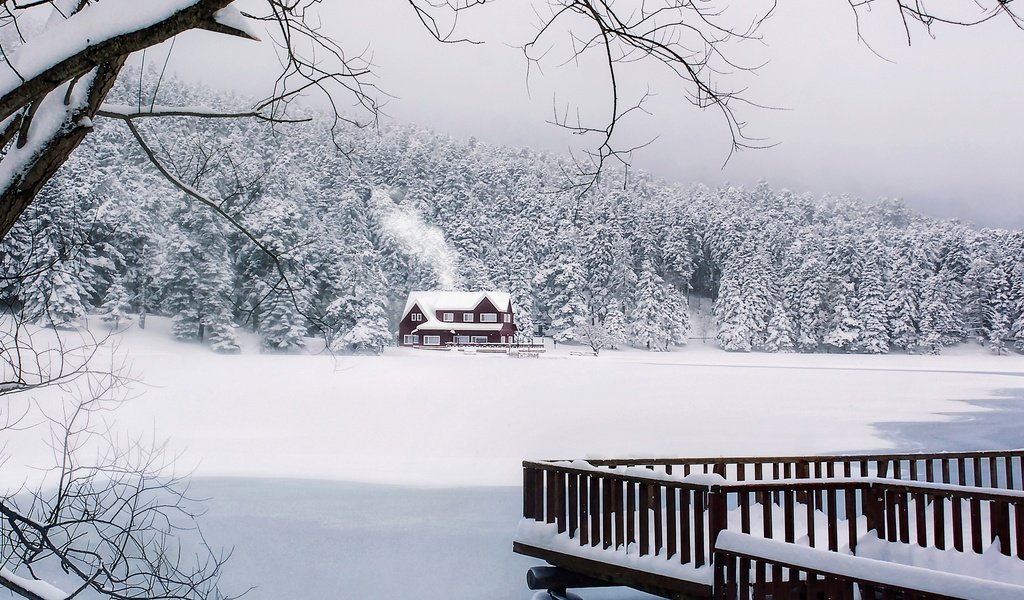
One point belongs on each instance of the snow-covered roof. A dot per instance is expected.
(432, 302)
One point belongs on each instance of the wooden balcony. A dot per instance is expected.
(818, 525)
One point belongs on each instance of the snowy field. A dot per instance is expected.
(361, 477)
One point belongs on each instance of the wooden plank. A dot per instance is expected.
(850, 496)
(904, 517)
(833, 520)
(659, 585)
(760, 580)
(999, 521)
(939, 521)
(527, 493)
(921, 520)
(630, 513)
(685, 534)
(574, 503)
(671, 522)
(743, 498)
(873, 500)
(644, 492)
(699, 541)
(538, 495)
(809, 511)
(595, 511)
(975, 525)
(608, 536)
(958, 523)
(584, 522)
(619, 502)
(744, 583)
(789, 516)
(560, 506)
(767, 516)
(550, 505)
(725, 575)
(891, 528)
(779, 590)
(718, 515)
(659, 519)
(1018, 523)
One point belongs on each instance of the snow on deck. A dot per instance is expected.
(867, 569)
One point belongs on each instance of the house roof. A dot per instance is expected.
(431, 302)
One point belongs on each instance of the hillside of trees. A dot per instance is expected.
(356, 220)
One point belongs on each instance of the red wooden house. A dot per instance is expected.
(438, 319)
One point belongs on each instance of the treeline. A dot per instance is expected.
(333, 232)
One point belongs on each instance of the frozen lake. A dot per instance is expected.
(397, 476)
(324, 539)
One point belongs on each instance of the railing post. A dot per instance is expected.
(718, 515)
(874, 509)
(527, 492)
(718, 520)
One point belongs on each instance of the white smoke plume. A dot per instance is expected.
(417, 238)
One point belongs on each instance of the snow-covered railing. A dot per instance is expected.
(760, 568)
(664, 518)
(996, 469)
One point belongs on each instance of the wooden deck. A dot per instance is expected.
(798, 527)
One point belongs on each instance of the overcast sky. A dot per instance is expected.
(939, 123)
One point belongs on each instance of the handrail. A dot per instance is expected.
(798, 458)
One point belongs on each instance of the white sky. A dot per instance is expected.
(938, 123)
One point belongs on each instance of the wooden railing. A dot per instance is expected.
(673, 510)
(979, 469)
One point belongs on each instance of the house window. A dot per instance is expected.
(508, 317)
(489, 317)
(411, 340)
(449, 317)
(462, 339)
(479, 339)
(417, 317)
(431, 340)
(467, 317)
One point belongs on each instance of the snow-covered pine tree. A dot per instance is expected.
(116, 307)
(845, 328)
(871, 308)
(370, 333)
(780, 331)
(560, 287)
(615, 325)
(645, 321)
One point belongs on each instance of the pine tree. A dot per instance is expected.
(370, 332)
(871, 311)
(615, 325)
(117, 307)
(732, 316)
(780, 331)
(645, 320)
(845, 328)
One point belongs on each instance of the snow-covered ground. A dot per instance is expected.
(416, 453)
(450, 419)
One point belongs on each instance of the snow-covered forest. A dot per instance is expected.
(356, 220)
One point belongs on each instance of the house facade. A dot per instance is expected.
(440, 319)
